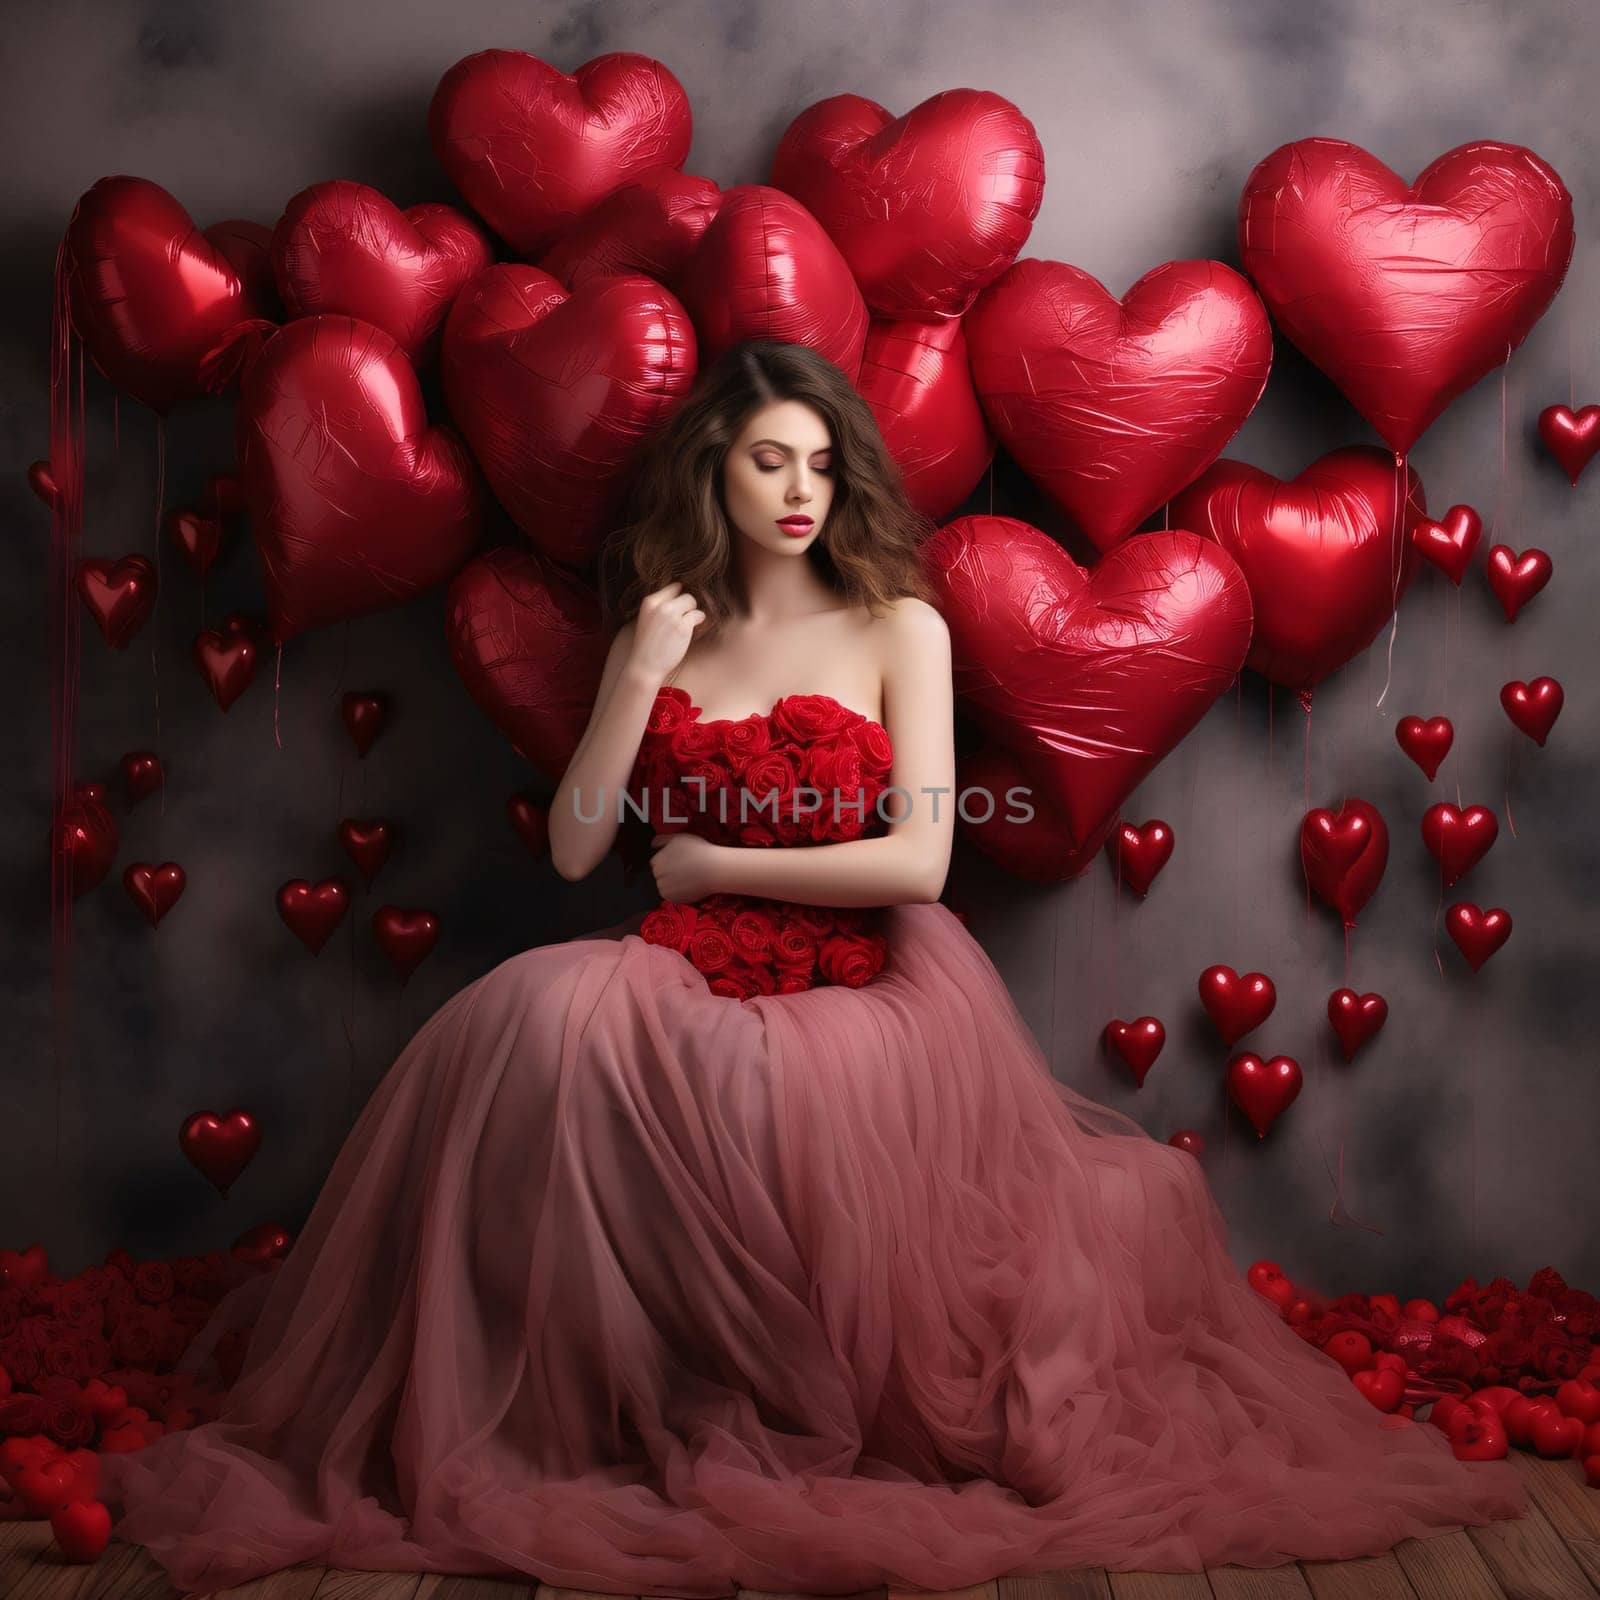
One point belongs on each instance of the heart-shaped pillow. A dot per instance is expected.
(1089, 676)
(1327, 555)
(1405, 294)
(927, 208)
(531, 148)
(554, 391)
(1111, 406)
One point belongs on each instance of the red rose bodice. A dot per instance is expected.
(809, 771)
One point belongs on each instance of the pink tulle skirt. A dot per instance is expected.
(633, 1288)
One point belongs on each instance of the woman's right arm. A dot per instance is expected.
(644, 651)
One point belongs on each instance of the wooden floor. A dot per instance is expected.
(1553, 1554)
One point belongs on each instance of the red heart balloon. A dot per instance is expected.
(929, 207)
(1457, 839)
(1188, 1139)
(341, 247)
(1263, 1090)
(916, 379)
(1405, 294)
(1517, 579)
(120, 595)
(313, 912)
(1449, 544)
(155, 890)
(365, 716)
(220, 1147)
(1356, 1018)
(142, 774)
(532, 148)
(43, 482)
(152, 296)
(1326, 554)
(1344, 855)
(531, 820)
(266, 1241)
(1427, 743)
(358, 503)
(24, 1269)
(651, 225)
(1236, 1005)
(1138, 1043)
(1139, 853)
(1112, 406)
(1533, 707)
(198, 537)
(406, 937)
(83, 838)
(1089, 677)
(1477, 933)
(1573, 438)
(82, 1530)
(764, 269)
(227, 661)
(555, 391)
(367, 841)
(1021, 835)
(526, 638)
(1383, 1386)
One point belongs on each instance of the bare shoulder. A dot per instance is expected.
(910, 623)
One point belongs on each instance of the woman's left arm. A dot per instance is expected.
(910, 861)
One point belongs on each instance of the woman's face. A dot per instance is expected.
(778, 478)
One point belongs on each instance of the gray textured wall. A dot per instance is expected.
(1467, 1131)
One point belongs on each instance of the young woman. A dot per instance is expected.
(751, 1243)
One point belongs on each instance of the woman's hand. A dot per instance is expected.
(685, 865)
(662, 631)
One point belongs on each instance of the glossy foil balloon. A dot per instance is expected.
(1111, 406)
(555, 391)
(1405, 294)
(525, 636)
(915, 377)
(764, 269)
(1022, 833)
(1344, 854)
(344, 248)
(651, 225)
(1089, 676)
(358, 504)
(151, 295)
(928, 207)
(1327, 554)
(532, 148)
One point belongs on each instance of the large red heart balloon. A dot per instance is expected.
(152, 297)
(1517, 579)
(1356, 1018)
(1458, 839)
(532, 148)
(928, 208)
(651, 225)
(916, 378)
(358, 504)
(1089, 676)
(1113, 406)
(344, 248)
(1533, 707)
(526, 638)
(220, 1147)
(405, 937)
(1477, 933)
(1344, 855)
(1427, 743)
(1405, 294)
(313, 911)
(1005, 818)
(1327, 555)
(120, 595)
(1572, 437)
(556, 391)
(764, 269)
(1263, 1090)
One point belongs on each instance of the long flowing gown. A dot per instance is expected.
(633, 1283)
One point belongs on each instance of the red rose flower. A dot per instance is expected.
(877, 753)
(833, 764)
(795, 945)
(753, 933)
(849, 958)
(770, 781)
(804, 717)
(696, 741)
(670, 710)
(710, 948)
(791, 981)
(744, 740)
(670, 924)
(153, 1282)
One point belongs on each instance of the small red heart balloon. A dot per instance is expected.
(24, 1269)
(313, 912)
(1236, 1004)
(220, 1147)
(365, 715)
(1138, 1043)
(1571, 437)
(1427, 743)
(42, 480)
(406, 936)
(1457, 839)
(82, 1530)
(227, 661)
(1263, 1090)
(84, 837)
(1517, 579)
(155, 890)
(531, 819)
(1139, 852)
(1356, 1018)
(120, 595)
(1533, 707)
(197, 536)
(1188, 1139)
(1477, 933)
(1344, 855)
(367, 841)
(264, 1242)
(142, 774)
(1449, 543)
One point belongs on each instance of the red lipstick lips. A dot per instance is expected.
(796, 525)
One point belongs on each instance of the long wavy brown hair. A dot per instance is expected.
(671, 519)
